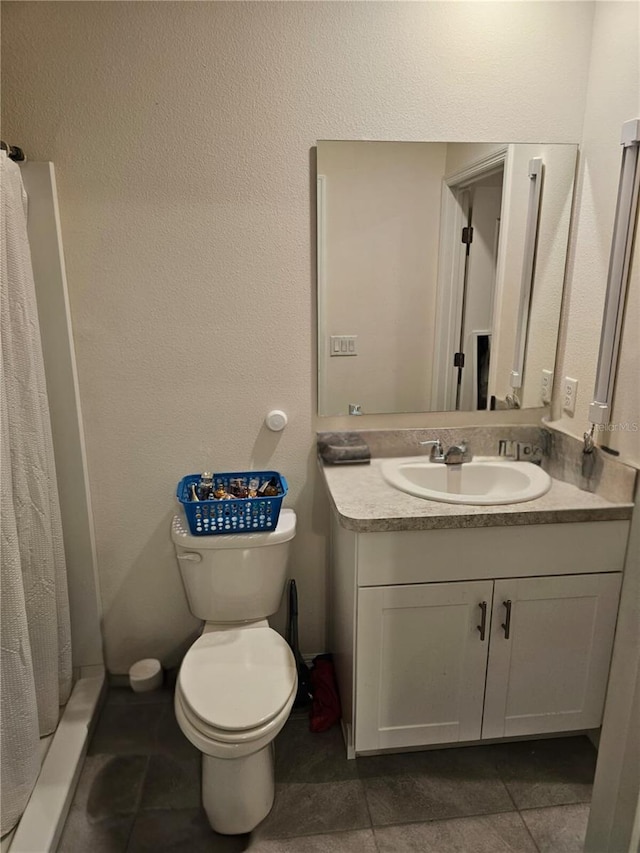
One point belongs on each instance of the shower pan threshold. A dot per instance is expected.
(41, 824)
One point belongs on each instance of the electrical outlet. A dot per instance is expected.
(569, 394)
(546, 386)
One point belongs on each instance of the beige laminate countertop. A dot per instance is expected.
(364, 502)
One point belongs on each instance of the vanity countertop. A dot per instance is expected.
(365, 503)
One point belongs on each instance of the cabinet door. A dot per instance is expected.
(421, 663)
(548, 672)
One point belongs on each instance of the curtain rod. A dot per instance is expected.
(13, 152)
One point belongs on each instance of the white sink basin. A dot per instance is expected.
(484, 481)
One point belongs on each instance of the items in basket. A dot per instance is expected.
(238, 502)
(205, 487)
(235, 487)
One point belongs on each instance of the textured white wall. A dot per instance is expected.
(613, 96)
(382, 215)
(182, 137)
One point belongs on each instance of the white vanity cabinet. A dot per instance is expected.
(445, 636)
(425, 652)
(549, 653)
(421, 663)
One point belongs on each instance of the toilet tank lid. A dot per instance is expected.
(284, 532)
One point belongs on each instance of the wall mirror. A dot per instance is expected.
(440, 273)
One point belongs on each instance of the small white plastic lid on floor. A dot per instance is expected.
(238, 679)
(145, 675)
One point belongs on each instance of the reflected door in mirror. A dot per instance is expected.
(421, 251)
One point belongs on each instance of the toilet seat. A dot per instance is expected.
(222, 744)
(234, 683)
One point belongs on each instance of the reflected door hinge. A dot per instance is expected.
(458, 359)
(467, 235)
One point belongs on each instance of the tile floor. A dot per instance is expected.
(140, 791)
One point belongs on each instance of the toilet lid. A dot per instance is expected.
(238, 679)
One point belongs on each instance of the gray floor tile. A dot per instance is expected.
(127, 729)
(500, 833)
(169, 737)
(560, 829)
(448, 801)
(302, 756)
(474, 760)
(307, 809)
(126, 696)
(300, 713)
(172, 782)
(180, 831)
(81, 834)
(110, 785)
(357, 841)
(552, 772)
(433, 785)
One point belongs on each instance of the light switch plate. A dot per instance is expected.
(343, 345)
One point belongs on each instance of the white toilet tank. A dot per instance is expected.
(234, 577)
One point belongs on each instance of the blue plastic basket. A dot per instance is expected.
(235, 515)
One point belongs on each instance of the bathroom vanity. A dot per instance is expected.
(459, 623)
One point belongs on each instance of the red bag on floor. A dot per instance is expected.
(325, 709)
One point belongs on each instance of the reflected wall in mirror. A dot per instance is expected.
(440, 273)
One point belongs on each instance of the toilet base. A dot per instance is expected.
(237, 794)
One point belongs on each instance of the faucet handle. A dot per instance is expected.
(437, 450)
(432, 442)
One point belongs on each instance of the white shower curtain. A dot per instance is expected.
(35, 634)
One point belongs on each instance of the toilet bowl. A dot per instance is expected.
(234, 727)
(237, 683)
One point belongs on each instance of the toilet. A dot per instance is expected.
(237, 683)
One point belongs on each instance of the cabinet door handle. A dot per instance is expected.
(507, 622)
(482, 627)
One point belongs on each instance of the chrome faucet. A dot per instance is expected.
(457, 454)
